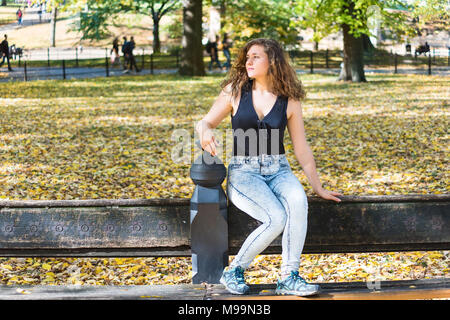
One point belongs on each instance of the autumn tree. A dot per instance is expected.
(248, 19)
(101, 13)
(352, 17)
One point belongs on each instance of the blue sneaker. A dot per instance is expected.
(296, 285)
(233, 280)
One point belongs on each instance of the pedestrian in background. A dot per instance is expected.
(115, 59)
(132, 59)
(125, 54)
(211, 48)
(19, 15)
(4, 52)
(226, 45)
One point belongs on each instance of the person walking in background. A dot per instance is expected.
(4, 52)
(115, 59)
(19, 15)
(226, 45)
(131, 55)
(125, 46)
(213, 52)
(40, 13)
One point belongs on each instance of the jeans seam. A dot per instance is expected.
(287, 225)
(267, 214)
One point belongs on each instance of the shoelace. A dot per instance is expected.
(296, 277)
(239, 274)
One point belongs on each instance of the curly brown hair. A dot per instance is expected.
(281, 74)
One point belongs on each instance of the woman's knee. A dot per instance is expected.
(278, 220)
(296, 203)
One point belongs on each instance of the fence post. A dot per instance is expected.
(209, 220)
(429, 63)
(151, 63)
(48, 57)
(395, 63)
(76, 56)
(177, 53)
(25, 70)
(143, 58)
(326, 58)
(311, 58)
(107, 66)
(64, 69)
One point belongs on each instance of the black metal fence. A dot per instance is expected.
(76, 65)
(329, 59)
(45, 67)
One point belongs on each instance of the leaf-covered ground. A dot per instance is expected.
(110, 138)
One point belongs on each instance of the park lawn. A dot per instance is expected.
(110, 138)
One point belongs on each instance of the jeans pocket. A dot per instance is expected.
(284, 164)
(234, 166)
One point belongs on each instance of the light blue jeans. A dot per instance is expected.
(265, 188)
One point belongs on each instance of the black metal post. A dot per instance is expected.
(395, 63)
(76, 56)
(143, 58)
(209, 220)
(25, 70)
(177, 53)
(311, 58)
(107, 66)
(151, 63)
(64, 69)
(429, 63)
(326, 58)
(48, 57)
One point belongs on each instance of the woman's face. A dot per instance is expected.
(257, 62)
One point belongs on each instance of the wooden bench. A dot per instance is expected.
(162, 227)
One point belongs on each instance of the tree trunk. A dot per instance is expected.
(3, 3)
(353, 68)
(191, 60)
(53, 29)
(368, 45)
(156, 41)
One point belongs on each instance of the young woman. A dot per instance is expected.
(262, 94)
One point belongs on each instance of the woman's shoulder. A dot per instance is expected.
(227, 91)
(293, 106)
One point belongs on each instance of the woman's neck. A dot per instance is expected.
(261, 85)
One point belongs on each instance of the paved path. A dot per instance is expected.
(45, 73)
(30, 17)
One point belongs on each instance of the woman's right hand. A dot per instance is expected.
(209, 142)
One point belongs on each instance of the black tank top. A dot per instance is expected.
(252, 136)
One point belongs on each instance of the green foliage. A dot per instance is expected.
(328, 16)
(174, 29)
(95, 21)
(261, 19)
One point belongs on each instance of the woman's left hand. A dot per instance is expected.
(329, 195)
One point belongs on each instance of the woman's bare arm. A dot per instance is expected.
(219, 110)
(302, 150)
